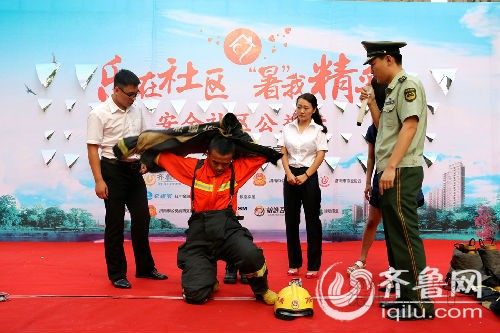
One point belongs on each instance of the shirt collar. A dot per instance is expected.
(395, 80)
(112, 106)
(295, 123)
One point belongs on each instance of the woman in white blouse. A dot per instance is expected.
(303, 144)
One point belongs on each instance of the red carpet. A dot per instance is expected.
(63, 287)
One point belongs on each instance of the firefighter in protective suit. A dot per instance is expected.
(214, 231)
(293, 301)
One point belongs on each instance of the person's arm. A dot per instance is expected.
(372, 104)
(181, 168)
(404, 140)
(370, 165)
(290, 178)
(320, 156)
(101, 189)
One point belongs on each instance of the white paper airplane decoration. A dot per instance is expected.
(84, 73)
(229, 106)
(276, 107)
(48, 134)
(329, 136)
(341, 105)
(430, 136)
(363, 161)
(48, 155)
(320, 105)
(332, 162)
(178, 104)
(432, 107)
(444, 77)
(264, 166)
(93, 105)
(70, 104)
(44, 103)
(346, 136)
(151, 104)
(71, 159)
(277, 136)
(364, 136)
(46, 73)
(67, 134)
(204, 105)
(430, 158)
(253, 107)
(256, 136)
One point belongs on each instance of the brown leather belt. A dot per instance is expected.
(135, 165)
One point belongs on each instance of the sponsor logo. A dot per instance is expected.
(259, 210)
(150, 179)
(259, 179)
(324, 181)
(152, 210)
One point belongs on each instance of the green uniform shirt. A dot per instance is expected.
(405, 97)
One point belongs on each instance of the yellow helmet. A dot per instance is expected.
(293, 301)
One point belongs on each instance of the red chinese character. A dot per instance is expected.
(289, 118)
(148, 91)
(168, 76)
(107, 80)
(190, 73)
(365, 79)
(214, 84)
(269, 82)
(342, 81)
(323, 75)
(294, 88)
(191, 119)
(167, 121)
(264, 122)
(215, 117)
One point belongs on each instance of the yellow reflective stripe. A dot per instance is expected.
(259, 273)
(226, 186)
(203, 186)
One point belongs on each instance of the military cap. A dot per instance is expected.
(375, 49)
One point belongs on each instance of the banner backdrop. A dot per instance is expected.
(198, 60)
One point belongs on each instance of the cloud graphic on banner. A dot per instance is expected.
(481, 22)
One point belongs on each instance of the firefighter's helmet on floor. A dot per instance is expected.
(293, 301)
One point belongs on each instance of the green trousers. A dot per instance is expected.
(399, 214)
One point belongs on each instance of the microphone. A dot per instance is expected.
(362, 108)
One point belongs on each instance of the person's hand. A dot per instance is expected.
(101, 190)
(301, 179)
(368, 191)
(291, 179)
(143, 169)
(366, 92)
(387, 180)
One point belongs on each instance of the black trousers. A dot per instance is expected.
(126, 187)
(218, 235)
(307, 195)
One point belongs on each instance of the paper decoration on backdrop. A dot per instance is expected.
(320, 105)
(204, 105)
(67, 134)
(430, 158)
(346, 136)
(276, 107)
(364, 136)
(48, 134)
(341, 105)
(363, 161)
(70, 104)
(71, 159)
(256, 136)
(93, 105)
(253, 107)
(48, 155)
(264, 166)
(229, 106)
(430, 136)
(332, 162)
(277, 136)
(84, 73)
(151, 104)
(29, 90)
(46, 73)
(44, 103)
(444, 78)
(432, 107)
(329, 136)
(178, 104)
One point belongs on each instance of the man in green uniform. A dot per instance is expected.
(398, 154)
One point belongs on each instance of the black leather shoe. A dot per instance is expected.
(231, 274)
(392, 305)
(243, 278)
(122, 284)
(154, 275)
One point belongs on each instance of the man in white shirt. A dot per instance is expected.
(119, 182)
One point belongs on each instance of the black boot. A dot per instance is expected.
(243, 278)
(231, 274)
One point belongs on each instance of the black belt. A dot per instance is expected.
(136, 165)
